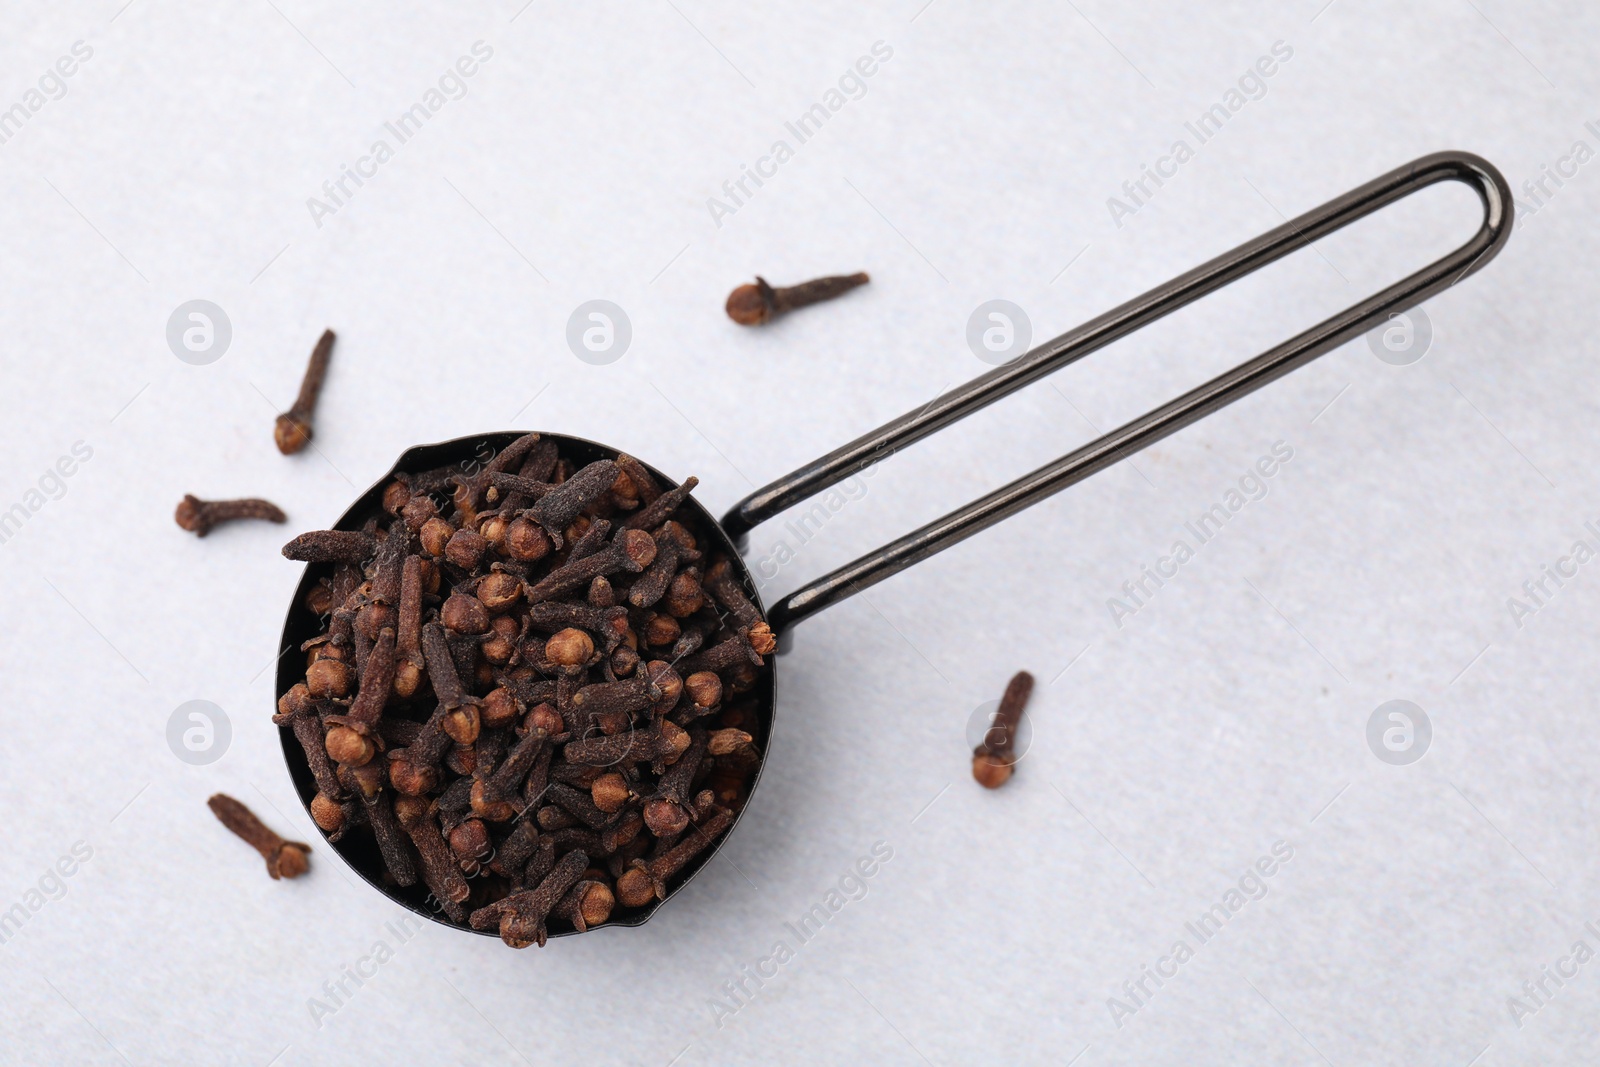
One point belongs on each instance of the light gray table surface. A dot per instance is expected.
(1175, 745)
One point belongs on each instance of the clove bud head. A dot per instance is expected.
(610, 792)
(569, 648)
(704, 688)
(526, 542)
(762, 639)
(749, 305)
(665, 817)
(469, 840)
(435, 535)
(597, 904)
(544, 717)
(464, 614)
(499, 708)
(634, 888)
(499, 591)
(411, 779)
(396, 495)
(466, 548)
(991, 771)
(462, 724)
(486, 806)
(660, 630)
(726, 741)
(407, 679)
(326, 813)
(189, 513)
(347, 746)
(291, 433)
(289, 862)
(329, 678)
(677, 739)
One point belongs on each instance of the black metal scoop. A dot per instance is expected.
(1095, 456)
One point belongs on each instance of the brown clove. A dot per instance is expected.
(200, 517)
(994, 759)
(292, 431)
(752, 305)
(285, 859)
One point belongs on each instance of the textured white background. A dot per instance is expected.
(1228, 714)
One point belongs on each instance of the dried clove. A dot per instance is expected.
(292, 431)
(643, 881)
(408, 636)
(470, 487)
(637, 746)
(200, 517)
(521, 916)
(752, 305)
(557, 508)
(285, 859)
(517, 485)
(515, 849)
(664, 813)
(994, 759)
(734, 651)
(492, 793)
(441, 667)
(352, 737)
(297, 710)
(366, 781)
(652, 584)
(579, 805)
(661, 508)
(330, 546)
(632, 551)
(645, 489)
(610, 624)
(439, 868)
(721, 583)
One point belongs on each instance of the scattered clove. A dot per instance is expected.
(498, 700)
(994, 759)
(292, 431)
(285, 859)
(199, 517)
(752, 305)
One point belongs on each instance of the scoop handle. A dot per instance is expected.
(1156, 424)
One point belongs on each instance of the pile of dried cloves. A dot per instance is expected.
(529, 687)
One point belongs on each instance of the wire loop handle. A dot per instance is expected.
(1097, 455)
